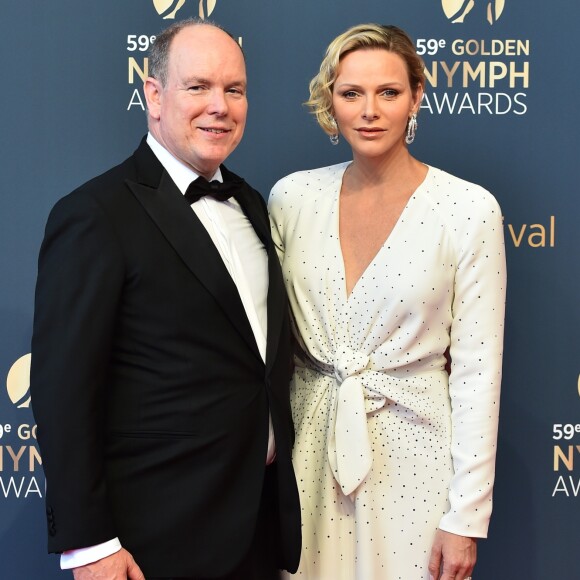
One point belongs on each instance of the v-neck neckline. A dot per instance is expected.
(392, 234)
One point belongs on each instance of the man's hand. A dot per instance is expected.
(118, 566)
(452, 557)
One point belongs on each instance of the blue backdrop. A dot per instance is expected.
(500, 110)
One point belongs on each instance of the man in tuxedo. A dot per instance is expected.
(161, 346)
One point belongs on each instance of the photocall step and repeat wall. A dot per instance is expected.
(500, 109)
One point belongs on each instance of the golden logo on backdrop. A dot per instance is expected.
(18, 382)
(458, 10)
(169, 8)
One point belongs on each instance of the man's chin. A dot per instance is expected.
(210, 162)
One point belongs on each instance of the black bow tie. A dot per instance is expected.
(216, 189)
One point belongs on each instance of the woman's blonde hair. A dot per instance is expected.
(362, 36)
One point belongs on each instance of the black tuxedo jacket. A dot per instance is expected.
(148, 388)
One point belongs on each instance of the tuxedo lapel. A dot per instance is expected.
(182, 229)
(254, 207)
(277, 306)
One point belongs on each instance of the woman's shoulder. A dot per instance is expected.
(447, 191)
(307, 183)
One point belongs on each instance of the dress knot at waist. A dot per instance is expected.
(349, 362)
(360, 388)
(349, 448)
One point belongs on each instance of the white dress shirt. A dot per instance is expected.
(246, 260)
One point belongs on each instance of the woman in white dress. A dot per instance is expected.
(390, 264)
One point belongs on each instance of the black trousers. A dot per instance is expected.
(260, 563)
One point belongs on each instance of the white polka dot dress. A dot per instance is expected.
(388, 446)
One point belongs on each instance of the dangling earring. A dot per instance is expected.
(411, 129)
(335, 137)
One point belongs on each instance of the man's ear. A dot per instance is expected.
(153, 95)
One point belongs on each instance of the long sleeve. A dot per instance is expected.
(476, 353)
(80, 276)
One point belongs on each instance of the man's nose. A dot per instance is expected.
(218, 104)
